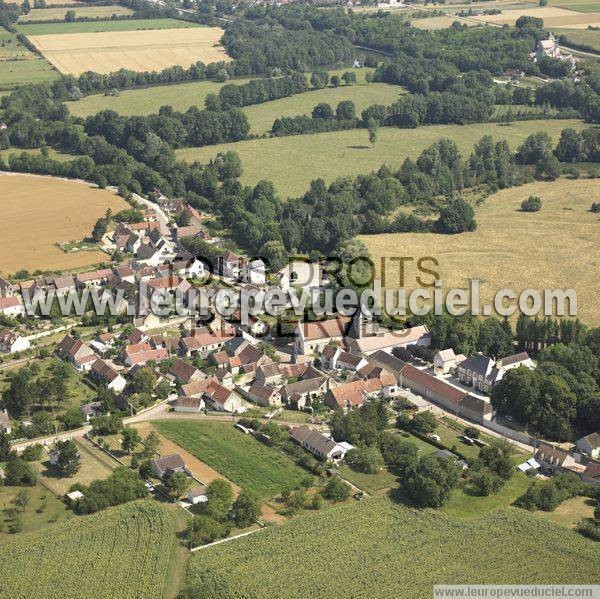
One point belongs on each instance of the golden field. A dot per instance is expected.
(558, 247)
(140, 50)
(554, 17)
(38, 212)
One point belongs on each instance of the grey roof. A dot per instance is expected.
(515, 358)
(319, 442)
(479, 364)
(262, 391)
(475, 404)
(304, 386)
(593, 439)
(387, 361)
(169, 462)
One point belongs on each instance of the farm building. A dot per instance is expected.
(189, 405)
(319, 445)
(263, 395)
(590, 445)
(312, 337)
(198, 494)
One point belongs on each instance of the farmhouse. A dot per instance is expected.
(483, 373)
(319, 445)
(269, 374)
(11, 306)
(387, 341)
(168, 465)
(300, 394)
(103, 372)
(184, 372)
(591, 474)
(590, 445)
(7, 289)
(444, 361)
(312, 337)
(11, 343)
(92, 410)
(333, 357)
(197, 388)
(353, 395)
(189, 405)
(230, 265)
(264, 396)
(221, 399)
(204, 342)
(554, 459)
(254, 272)
(431, 387)
(77, 352)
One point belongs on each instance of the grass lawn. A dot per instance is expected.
(20, 66)
(374, 484)
(93, 467)
(88, 12)
(464, 505)
(570, 512)
(95, 26)
(52, 153)
(240, 458)
(293, 162)
(262, 116)
(51, 509)
(588, 37)
(493, 254)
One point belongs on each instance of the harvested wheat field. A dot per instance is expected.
(558, 247)
(554, 17)
(36, 212)
(140, 50)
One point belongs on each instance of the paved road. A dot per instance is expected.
(163, 219)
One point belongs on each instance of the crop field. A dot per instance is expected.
(104, 26)
(38, 212)
(434, 23)
(588, 37)
(122, 551)
(293, 162)
(359, 541)
(19, 66)
(579, 5)
(553, 17)
(50, 2)
(238, 457)
(88, 12)
(556, 247)
(138, 50)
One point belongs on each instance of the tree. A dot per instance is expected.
(456, 217)
(365, 459)
(203, 529)
(130, 439)
(246, 508)
(219, 498)
(548, 167)
(373, 128)
(345, 111)
(176, 484)
(222, 76)
(68, 460)
(70, 16)
(322, 111)
(25, 7)
(571, 146)
(336, 490)
(531, 204)
(424, 422)
(471, 432)
(335, 81)
(431, 481)
(18, 472)
(151, 443)
(33, 453)
(399, 455)
(349, 77)
(319, 79)
(100, 229)
(485, 482)
(4, 446)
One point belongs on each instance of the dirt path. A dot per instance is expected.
(199, 469)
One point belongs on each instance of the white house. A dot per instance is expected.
(11, 306)
(254, 272)
(319, 445)
(11, 343)
(197, 494)
(590, 445)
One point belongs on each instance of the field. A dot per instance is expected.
(87, 12)
(434, 23)
(556, 247)
(123, 551)
(19, 66)
(292, 162)
(104, 26)
(580, 5)
(569, 513)
(359, 541)
(553, 16)
(94, 466)
(588, 37)
(139, 50)
(240, 458)
(37, 212)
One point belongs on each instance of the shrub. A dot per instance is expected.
(531, 204)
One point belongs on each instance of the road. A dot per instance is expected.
(163, 219)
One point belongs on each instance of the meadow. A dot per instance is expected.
(553, 16)
(134, 49)
(104, 26)
(38, 212)
(293, 162)
(347, 551)
(579, 5)
(434, 23)
(81, 12)
(19, 66)
(122, 551)
(240, 458)
(556, 247)
(587, 37)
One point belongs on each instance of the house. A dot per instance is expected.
(198, 494)
(590, 445)
(333, 357)
(5, 426)
(387, 341)
(184, 372)
(353, 394)
(136, 336)
(319, 445)
(197, 388)
(77, 352)
(189, 405)
(312, 337)
(7, 289)
(515, 361)
(263, 395)
(11, 306)
(64, 285)
(430, 387)
(91, 410)
(301, 394)
(221, 399)
(103, 372)
(388, 362)
(474, 408)
(95, 279)
(483, 373)
(444, 361)
(168, 465)
(11, 343)
(254, 272)
(230, 265)
(204, 342)
(142, 353)
(554, 459)
(591, 474)
(269, 374)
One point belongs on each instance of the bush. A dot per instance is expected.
(365, 459)
(531, 204)
(336, 490)
(472, 432)
(595, 207)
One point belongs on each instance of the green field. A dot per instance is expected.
(87, 12)
(240, 458)
(262, 116)
(120, 552)
(579, 5)
(587, 37)
(95, 26)
(19, 66)
(380, 549)
(52, 153)
(292, 162)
